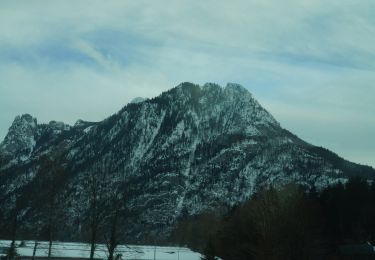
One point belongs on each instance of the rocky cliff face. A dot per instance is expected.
(190, 149)
(20, 138)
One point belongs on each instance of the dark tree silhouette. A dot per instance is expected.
(114, 218)
(209, 251)
(53, 175)
(96, 188)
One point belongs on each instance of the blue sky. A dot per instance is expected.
(310, 63)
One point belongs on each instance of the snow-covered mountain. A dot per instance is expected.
(190, 149)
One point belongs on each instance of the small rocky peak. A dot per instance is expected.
(21, 134)
(84, 126)
(137, 100)
(56, 125)
(24, 125)
(80, 123)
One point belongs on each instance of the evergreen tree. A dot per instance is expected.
(209, 251)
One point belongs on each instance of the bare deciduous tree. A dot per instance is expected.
(96, 188)
(114, 219)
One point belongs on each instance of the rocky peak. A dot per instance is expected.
(20, 136)
(80, 123)
(58, 126)
(189, 90)
(25, 119)
(137, 100)
(230, 91)
(185, 89)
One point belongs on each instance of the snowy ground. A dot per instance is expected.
(82, 250)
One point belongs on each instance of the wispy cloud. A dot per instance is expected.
(104, 61)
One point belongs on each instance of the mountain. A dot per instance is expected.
(190, 149)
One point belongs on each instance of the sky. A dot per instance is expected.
(309, 63)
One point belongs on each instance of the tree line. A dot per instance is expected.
(286, 223)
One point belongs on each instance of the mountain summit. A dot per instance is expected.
(190, 149)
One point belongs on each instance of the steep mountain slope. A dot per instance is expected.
(187, 150)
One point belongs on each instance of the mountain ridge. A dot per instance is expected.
(190, 149)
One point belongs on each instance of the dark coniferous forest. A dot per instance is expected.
(287, 223)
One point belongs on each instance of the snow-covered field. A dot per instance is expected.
(82, 250)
